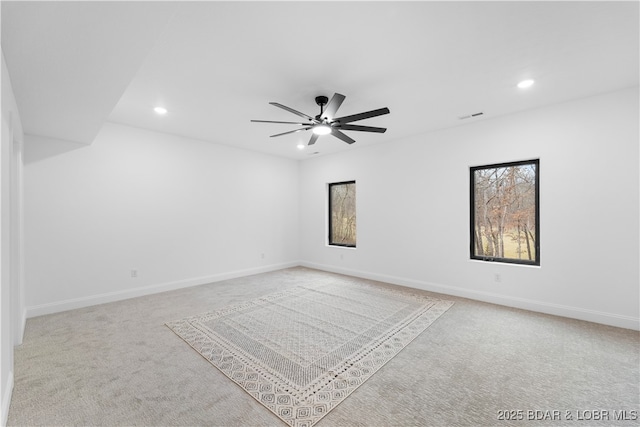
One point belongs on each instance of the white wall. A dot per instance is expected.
(184, 212)
(181, 212)
(11, 310)
(413, 210)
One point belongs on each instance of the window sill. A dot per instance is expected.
(508, 264)
(341, 247)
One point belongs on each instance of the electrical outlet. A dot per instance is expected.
(262, 255)
(134, 274)
(497, 277)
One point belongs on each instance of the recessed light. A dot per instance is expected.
(300, 146)
(160, 110)
(525, 84)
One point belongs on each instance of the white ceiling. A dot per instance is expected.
(217, 65)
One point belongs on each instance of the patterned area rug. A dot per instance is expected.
(302, 351)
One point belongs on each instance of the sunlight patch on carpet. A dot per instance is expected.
(302, 351)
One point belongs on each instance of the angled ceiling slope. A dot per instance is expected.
(70, 62)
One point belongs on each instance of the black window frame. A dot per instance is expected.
(472, 239)
(330, 210)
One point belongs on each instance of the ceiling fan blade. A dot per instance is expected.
(291, 110)
(362, 128)
(333, 105)
(314, 138)
(287, 123)
(291, 131)
(362, 116)
(342, 136)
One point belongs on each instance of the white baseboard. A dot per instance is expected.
(23, 323)
(610, 319)
(7, 390)
(71, 304)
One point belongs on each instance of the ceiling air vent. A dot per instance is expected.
(468, 116)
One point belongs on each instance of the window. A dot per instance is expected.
(342, 214)
(505, 212)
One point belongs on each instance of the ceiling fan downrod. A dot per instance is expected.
(321, 101)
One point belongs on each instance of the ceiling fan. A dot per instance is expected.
(326, 123)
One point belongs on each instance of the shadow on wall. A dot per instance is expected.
(38, 148)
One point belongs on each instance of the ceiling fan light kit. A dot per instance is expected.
(326, 123)
(321, 129)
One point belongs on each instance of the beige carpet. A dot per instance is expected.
(118, 364)
(303, 351)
